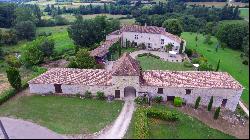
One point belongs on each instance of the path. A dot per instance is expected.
(20, 129)
(163, 55)
(121, 124)
(244, 108)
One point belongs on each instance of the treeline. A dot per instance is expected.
(204, 0)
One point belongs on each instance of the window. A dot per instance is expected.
(149, 45)
(188, 91)
(160, 91)
(162, 41)
(224, 102)
(136, 36)
(161, 47)
(149, 38)
(117, 93)
(135, 43)
(58, 88)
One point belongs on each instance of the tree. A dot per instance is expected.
(245, 45)
(173, 26)
(217, 113)
(59, 20)
(31, 53)
(1, 53)
(169, 47)
(25, 30)
(197, 102)
(83, 60)
(9, 37)
(232, 34)
(13, 61)
(196, 39)
(14, 78)
(181, 47)
(209, 107)
(218, 65)
(208, 39)
(47, 46)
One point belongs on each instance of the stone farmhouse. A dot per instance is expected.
(126, 79)
(152, 37)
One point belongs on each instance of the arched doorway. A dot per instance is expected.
(129, 92)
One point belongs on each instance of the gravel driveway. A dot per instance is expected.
(20, 129)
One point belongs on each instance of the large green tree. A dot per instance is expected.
(232, 34)
(83, 60)
(173, 26)
(25, 30)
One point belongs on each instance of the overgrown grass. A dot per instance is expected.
(64, 114)
(186, 127)
(151, 63)
(231, 61)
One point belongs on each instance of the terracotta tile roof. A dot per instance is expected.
(126, 66)
(70, 76)
(103, 49)
(146, 29)
(189, 79)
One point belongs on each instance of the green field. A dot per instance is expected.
(231, 61)
(151, 63)
(186, 127)
(244, 13)
(63, 115)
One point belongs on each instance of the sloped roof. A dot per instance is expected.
(103, 49)
(126, 66)
(70, 76)
(189, 79)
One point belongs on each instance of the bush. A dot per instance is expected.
(188, 64)
(163, 115)
(13, 61)
(157, 99)
(245, 62)
(88, 94)
(100, 95)
(14, 78)
(148, 54)
(141, 124)
(209, 107)
(178, 101)
(217, 113)
(4, 96)
(189, 52)
(140, 100)
(78, 95)
(197, 102)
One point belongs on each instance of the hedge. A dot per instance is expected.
(141, 124)
(148, 54)
(6, 95)
(163, 115)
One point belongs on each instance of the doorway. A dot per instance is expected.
(129, 92)
(58, 88)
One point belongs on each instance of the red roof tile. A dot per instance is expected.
(103, 49)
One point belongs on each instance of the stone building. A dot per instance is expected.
(127, 79)
(152, 37)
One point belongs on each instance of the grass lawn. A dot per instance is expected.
(151, 63)
(63, 115)
(231, 61)
(244, 12)
(60, 35)
(186, 127)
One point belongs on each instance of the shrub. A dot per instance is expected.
(189, 52)
(163, 115)
(187, 64)
(217, 113)
(100, 95)
(157, 99)
(197, 102)
(141, 124)
(140, 100)
(195, 61)
(178, 101)
(4, 96)
(245, 62)
(13, 61)
(78, 95)
(88, 94)
(14, 78)
(209, 107)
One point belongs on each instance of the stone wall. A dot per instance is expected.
(41, 88)
(231, 95)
